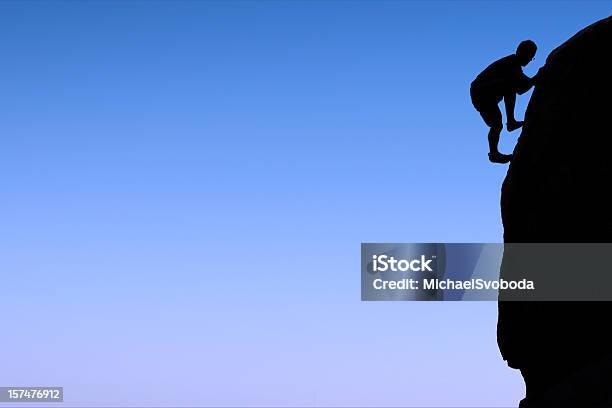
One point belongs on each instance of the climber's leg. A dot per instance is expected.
(493, 137)
(493, 118)
(511, 122)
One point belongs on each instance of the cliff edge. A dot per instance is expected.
(559, 189)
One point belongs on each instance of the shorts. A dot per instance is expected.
(487, 107)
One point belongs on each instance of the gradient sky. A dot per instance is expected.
(185, 186)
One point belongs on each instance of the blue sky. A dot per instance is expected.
(186, 185)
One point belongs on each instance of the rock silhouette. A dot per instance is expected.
(558, 189)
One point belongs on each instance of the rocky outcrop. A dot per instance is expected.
(559, 189)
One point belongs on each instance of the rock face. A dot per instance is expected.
(559, 189)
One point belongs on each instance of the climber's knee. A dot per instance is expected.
(497, 127)
(492, 117)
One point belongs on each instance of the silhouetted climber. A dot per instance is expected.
(503, 79)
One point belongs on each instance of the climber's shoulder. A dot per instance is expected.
(499, 69)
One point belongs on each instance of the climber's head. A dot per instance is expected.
(525, 52)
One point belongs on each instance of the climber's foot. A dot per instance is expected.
(513, 125)
(500, 158)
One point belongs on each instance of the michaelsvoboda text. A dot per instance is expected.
(385, 263)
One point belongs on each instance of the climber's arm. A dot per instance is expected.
(524, 83)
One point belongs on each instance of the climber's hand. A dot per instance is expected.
(538, 75)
